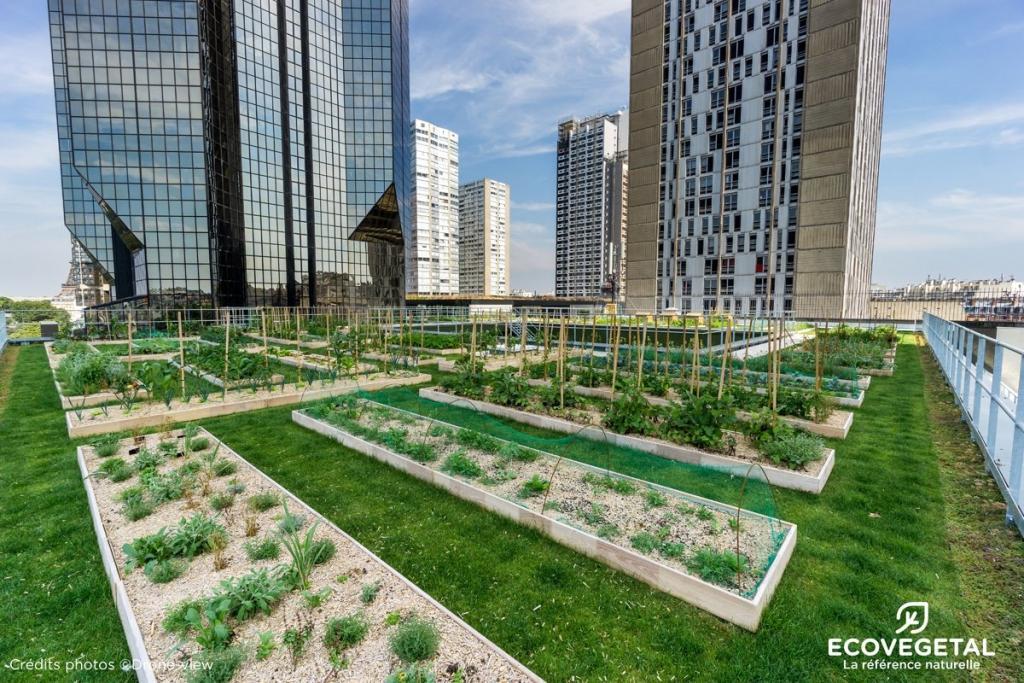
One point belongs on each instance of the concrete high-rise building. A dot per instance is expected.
(236, 152)
(485, 218)
(590, 205)
(742, 110)
(432, 255)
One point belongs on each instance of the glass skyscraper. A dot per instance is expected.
(236, 152)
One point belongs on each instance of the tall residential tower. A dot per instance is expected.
(432, 255)
(236, 152)
(590, 206)
(755, 128)
(484, 243)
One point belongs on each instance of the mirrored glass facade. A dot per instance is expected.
(236, 152)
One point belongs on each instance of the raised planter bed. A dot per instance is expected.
(143, 605)
(92, 400)
(100, 344)
(812, 481)
(304, 360)
(420, 361)
(837, 426)
(499, 360)
(860, 385)
(440, 352)
(214, 379)
(156, 415)
(292, 343)
(768, 541)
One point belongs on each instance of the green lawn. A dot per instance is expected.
(878, 536)
(56, 599)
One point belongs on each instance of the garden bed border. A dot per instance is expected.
(207, 410)
(141, 663)
(732, 607)
(787, 479)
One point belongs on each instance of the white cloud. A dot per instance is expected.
(518, 67)
(33, 258)
(533, 255)
(533, 263)
(960, 233)
(574, 12)
(993, 126)
(959, 218)
(1008, 30)
(445, 79)
(25, 65)
(27, 150)
(532, 206)
(530, 229)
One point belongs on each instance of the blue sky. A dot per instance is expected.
(502, 73)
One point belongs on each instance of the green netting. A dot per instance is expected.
(698, 518)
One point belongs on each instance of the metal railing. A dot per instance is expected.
(3, 331)
(981, 372)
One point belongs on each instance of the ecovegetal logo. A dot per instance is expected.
(914, 616)
(911, 654)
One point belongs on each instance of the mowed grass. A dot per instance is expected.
(56, 600)
(875, 539)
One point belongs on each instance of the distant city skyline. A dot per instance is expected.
(951, 193)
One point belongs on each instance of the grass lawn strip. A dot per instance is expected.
(989, 552)
(57, 602)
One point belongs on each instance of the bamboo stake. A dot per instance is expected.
(629, 344)
(773, 360)
(357, 332)
(507, 329)
(130, 342)
(561, 366)
(522, 346)
(655, 366)
(181, 356)
(472, 345)
(298, 348)
(817, 361)
(330, 342)
(547, 341)
(695, 376)
(615, 353)
(227, 345)
(640, 358)
(746, 346)
(668, 349)
(263, 330)
(593, 341)
(385, 329)
(725, 358)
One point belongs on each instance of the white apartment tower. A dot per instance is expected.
(755, 129)
(590, 206)
(484, 222)
(432, 255)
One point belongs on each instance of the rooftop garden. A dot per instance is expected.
(908, 515)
